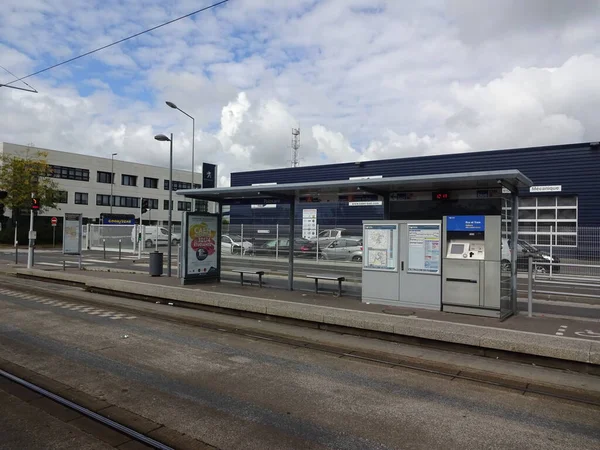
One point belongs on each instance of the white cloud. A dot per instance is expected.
(361, 79)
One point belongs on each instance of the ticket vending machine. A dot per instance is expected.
(471, 268)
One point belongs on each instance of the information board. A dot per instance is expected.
(380, 247)
(72, 234)
(424, 248)
(465, 223)
(309, 223)
(201, 256)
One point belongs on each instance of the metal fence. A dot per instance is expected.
(561, 267)
(111, 237)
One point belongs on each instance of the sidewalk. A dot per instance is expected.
(526, 336)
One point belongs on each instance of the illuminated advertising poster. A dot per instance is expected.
(72, 234)
(202, 234)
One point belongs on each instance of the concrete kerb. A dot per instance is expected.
(562, 348)
(595, 353)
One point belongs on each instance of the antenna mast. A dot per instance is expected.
(295, 146)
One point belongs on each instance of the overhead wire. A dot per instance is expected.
(214, 5)
(34, 90)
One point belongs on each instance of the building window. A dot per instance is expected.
(184, 206)
(105, 177)
(128, 180)
(151, 183)
(102, 200)
(81, 198)
(177, 185)
(152, 203)
(201, 205)
(548, 217)
(69, 173)
(120, 201)
(197, 186)
(62, 197)
(166, 205)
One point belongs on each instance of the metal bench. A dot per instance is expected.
(337, 278)
(260, 274)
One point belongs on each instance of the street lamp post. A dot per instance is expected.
(112, 179)
(174, 106)
(162, 137)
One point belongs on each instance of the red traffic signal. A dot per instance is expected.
(35, 204)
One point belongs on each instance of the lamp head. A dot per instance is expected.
(162, 137)
(171, 104)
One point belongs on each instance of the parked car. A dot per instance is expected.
(327, 236)
(281, 246)
(231, 244)
(152, 234)
(345, 249)
(524, 249)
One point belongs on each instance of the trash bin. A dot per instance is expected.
(156, 264)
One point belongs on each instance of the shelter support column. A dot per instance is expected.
(514, 240)
(386, 207)
(291, 244)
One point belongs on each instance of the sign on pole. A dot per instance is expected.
(54, 221)
(209, 176)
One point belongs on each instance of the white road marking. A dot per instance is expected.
(561, 330)
(66, 305)
(100, 261)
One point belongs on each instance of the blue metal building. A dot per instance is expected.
(565, 197)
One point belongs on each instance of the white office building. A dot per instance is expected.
(85, 186)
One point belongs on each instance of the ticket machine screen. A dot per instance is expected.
(457, 249)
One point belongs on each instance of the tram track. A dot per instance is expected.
(105, 422)
(452, 371)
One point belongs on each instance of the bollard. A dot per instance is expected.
(242, 242)
(317, 230)
(529, 285)
(104, 247)
(119, 249)
(16, 254)
(277, 242)
(64, 265)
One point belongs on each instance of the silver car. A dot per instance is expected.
(344, 249)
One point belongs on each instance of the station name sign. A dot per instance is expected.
(554, 188)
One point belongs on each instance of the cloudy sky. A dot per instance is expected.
(362, 79)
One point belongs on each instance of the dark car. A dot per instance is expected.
(281, 247)
(524, 249)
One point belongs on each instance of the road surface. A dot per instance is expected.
(236, 392)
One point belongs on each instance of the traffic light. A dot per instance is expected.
(35, 204)
(144, 205)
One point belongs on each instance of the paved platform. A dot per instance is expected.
(562, 339)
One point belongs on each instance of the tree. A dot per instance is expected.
(20, 175)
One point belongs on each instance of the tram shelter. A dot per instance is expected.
(449, 227)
